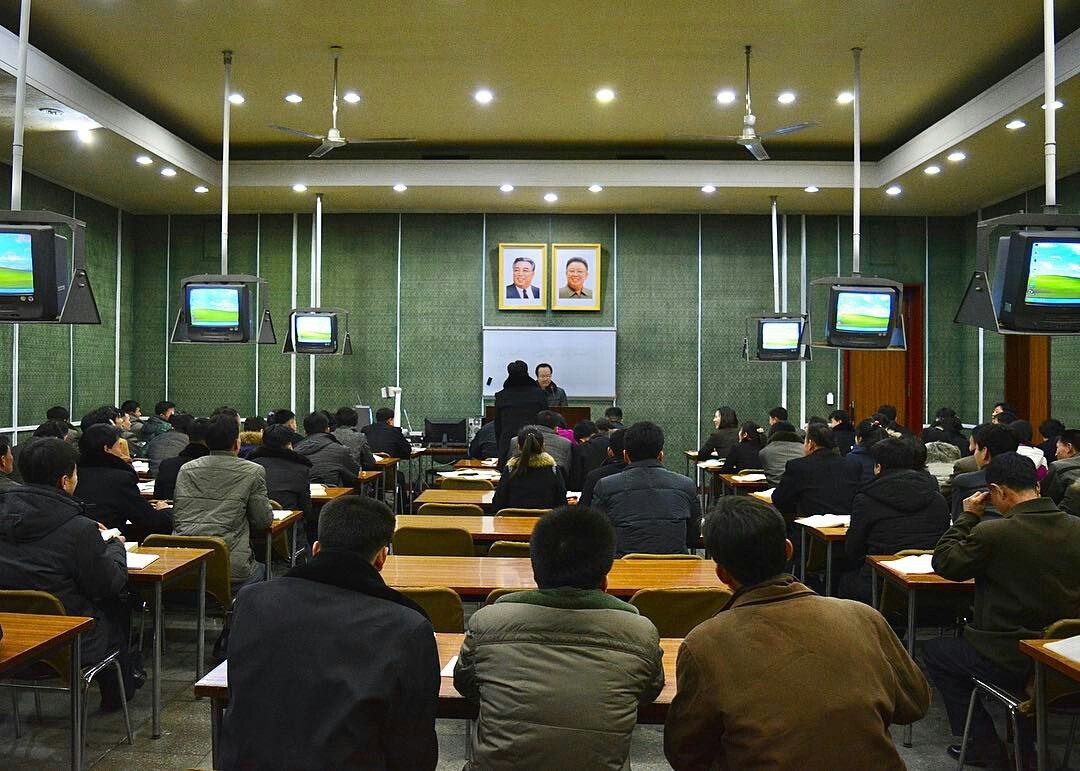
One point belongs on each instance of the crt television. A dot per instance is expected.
(34, 273)
(445, 433)
(862, 316)
(217, 313)
(778, 339)
(315, 333)
(1037, 281)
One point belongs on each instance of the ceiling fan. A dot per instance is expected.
(750, 138)
(333, 138)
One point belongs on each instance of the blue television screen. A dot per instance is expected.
(214, 306)
(1053, 273)
(16, 264)
(780, 335)
(864, 312)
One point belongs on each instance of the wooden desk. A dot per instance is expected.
(171, 563)
(332, 493)
(480, 528)
(829, 536)
(28, 637)
(279, 526)
(475, 577)
(481, 498)
(911, 584)
(452, 705)
(475, 463)
(1043, 658)
(762, 496)
(739, 485)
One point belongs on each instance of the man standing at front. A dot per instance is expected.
(559, 672)
(577, 272)
(328, 666)
(522, 288)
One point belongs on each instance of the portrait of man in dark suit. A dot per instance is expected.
(524, 269)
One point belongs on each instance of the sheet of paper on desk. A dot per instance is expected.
(108, 535)
(915, 563)
(749, 477)
(715, 463)
(131, 545)
(826, 520)
(489, 462)
(766, 493)
(448, 670)
(146, 487)
(1069, 647)
(137, 561)
(317, 489)
(140, 465)
(280, 514)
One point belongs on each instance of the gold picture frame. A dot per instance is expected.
(575, 292)
(510, 286)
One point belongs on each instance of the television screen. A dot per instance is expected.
(864, 312)
(214, 306)
(1053, 273)
(314, 330)
(16, 264)
(780, 335)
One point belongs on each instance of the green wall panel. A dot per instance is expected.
(950, 384)
(822, 241)
(7, 418)
(275, 250)
(146, 327)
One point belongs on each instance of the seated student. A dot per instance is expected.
(169, 469)
(842, 430)
(946, 427)
(559, 671)
(1000, 407)
(251, 434)
(7, 463)
(531, 479)
(1050, 429)
(133, 410)
(109, 487)
(890, 423)
(285, 417)
(331, 462)
(724, 436)
(654, 510)
(1066, 469)
(900, 508)
(1025, 566)
(613, 415)
(159, 422)
(990, 441)
(50, 429)
(51, 543)
(1023, 432)
(224, 495)
(384, 437)
(784, 444)
(328, 666)
(783, 678)
(558, 447)
(483, 444)
(169, 444)
(355, 441)
(822, 482)
(746, 454)
(968, 463)
(869, 433)
(286, 475)
(591, 450)
(777, 415)
(613, 464)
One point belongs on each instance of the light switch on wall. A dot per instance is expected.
(830, 398)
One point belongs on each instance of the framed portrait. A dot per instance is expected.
(522, 277)
(575, 277)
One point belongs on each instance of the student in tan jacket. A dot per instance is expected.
(782, 678)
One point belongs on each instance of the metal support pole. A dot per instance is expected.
(200, 623)
(775, 257)
(1050, 118)
(856, 201)
(226, 113)
(159, 633)
(75, 683)
(910, 648)
(20, 107)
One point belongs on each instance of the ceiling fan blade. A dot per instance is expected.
(757, 150)
(380, 140)
(788, 129)
(703, 137)
(323, 149)
(297, 132)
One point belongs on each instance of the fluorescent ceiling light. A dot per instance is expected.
(893, 190)
(932, 170)
(236, 98)
(202, 189)
(293, 98)
(483, 96)
(786, 97)
(86, 136)
(400, 187)
(605, 95)
(708, 188)
(551, 197)
(299, 187)
(144, 160)
(595, 189)
(957, 155)
(1058, 104)
(845, 97)
(351, 97)
(1015, 124)
(811, 188)
(506, 187)
(727, 96)
(168, 171)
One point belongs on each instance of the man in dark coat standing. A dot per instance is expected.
(516, 406)
(362, 683)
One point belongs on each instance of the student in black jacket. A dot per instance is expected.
(725, 435)
(483, 444)
(516, 406)
(842, 430)
(746, 453)
(286, 475)
(821, 482)
(165, 481)
(384, 437)
(614, 463)
(531, 479)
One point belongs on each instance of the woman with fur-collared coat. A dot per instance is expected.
(531, 479)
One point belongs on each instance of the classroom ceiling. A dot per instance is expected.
(417, 64)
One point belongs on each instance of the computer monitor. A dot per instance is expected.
(34, 272)
(217, 313)
(445, 432)
(315, 332)
(862, 316)
(778, 339)
(1037, 281)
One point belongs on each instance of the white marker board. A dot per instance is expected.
(583, 360)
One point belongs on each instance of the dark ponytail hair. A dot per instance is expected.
(531, 443)
(752, 432)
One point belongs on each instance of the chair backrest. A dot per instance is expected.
(676, 611)
(509, 549)
(450, 509)
(442, 605)
(522, 512)
(497, 593)
(1062, 693)
(433, 542)
(218, 584)
(458, 483)
(913, 552)
(40, 604)
(641, 556)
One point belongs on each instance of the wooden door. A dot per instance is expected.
(873, 378)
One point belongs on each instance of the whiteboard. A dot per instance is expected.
(582, 360)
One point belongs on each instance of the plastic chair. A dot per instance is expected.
(56, 666)
(509, 549)
(442, 605)
(450, 509)
(642, 556)
(458, 483)
(497, 593)
(512, 512)
(433, 542)
(676, 611)
(218, 584)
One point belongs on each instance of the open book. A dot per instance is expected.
(914, 563)
(825, 520)
(280, 514)
(138, 560)
(1069, 647)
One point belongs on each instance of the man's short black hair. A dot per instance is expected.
(316, 423)
(1051, 428)
(778, 413)
(572, 260)
(613, 414)
(1012, 470)
(584, 429)
(536, 370)
(280, 417)
(347, 416)
(197, 430)
(1070, 436)
(603, 424)
(840, 415)
(276, 437)
(254, 423)
(1023, 431)
(816, 420)
(181, 421)
(163, 406)
(747, 538)
(548, 419)
(51, 428)
(5, 445)
(821, 435)
(383, 414)
(129, 407)
(1005, 407)
(995, 439)
(893, 454)
(95, 438)
(617, 442)
(1005, 418)
(45, 461)
(225, 410)
(572, 548)
(918, 448)
(643, 441)
(103, 414)
(888, 411)
(782, 425)
(356, 523)
(222, 433)
(58, 413)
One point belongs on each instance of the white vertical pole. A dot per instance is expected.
(775, 257)
(292, 304)
(258, 297)
(697, 419)
(119, 268)
(313, 289)
(783, 307)
(397, 323)
(982, 356)
(856, 191)
(226, 114)
(802, 310)
(483, 298)
(926, 322)
(1049, 118)
(168, 291)
(615, 298)
(16, 180)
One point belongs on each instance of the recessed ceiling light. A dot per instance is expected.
(727, 96)
(202, 189)
(400, 188)
(893, 190)
(86, 136)
(168, 171)
(299, 187)
(932, 170)
(786, 97)
(293, 98)
(236, 98)
(708, 188)
(595, 189)
(1058, 104)
(605, 95)
(483, 96)
(506, 187)
(1015, 124)
(845, 97)
(144, 160)
(351, 97)
(811, 188)
(551, 197)
(957, 155)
